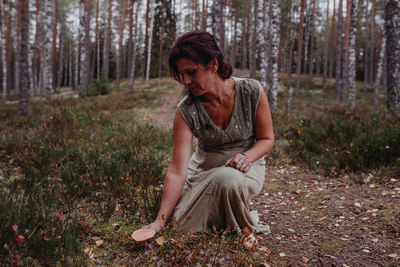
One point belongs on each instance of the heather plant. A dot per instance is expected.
(339, 142)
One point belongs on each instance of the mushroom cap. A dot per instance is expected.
(142, 235)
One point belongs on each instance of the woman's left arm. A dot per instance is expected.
(264, 137)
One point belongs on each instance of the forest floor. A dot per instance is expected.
(317, 221)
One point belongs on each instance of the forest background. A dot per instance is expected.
(83, 154)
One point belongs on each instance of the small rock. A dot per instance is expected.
(282, 254)
(366, 251)
(371, 186)
(358, 205)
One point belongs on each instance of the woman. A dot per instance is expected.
(232, 121)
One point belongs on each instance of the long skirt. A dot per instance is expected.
(218, 196)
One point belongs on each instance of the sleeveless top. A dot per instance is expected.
(240, 133)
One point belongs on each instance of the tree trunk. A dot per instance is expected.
(372, 46)
(338, 72)
(130, 37)
(107, 42)
(352, 55)
(311, 65)
(234, 41)
(24, 57)
(54, 46)
(253, 38)
(204, 15)
(346, 60)
(120, 45)
(381, 58)
(245, 39)
(392, 27)
(85, 7)
(160, 59)
(326, 51)
(275, 34)
(299, 45)
(263, 22)
(17, 50)
(218, 23)
(150, 42)
(3, 51)
(60, 57)
(147, 46)
(132, 71)
(332, 42)
(47, 79)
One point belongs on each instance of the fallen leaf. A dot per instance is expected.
(160, 240)
(99, 243)
(394, 255)
(245, 231)
(282, 254)
(304, 259)
(19, 240)
(250, 242)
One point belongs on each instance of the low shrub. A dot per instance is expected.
(99, 87)
(342, 142)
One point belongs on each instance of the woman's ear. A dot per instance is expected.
(213, 65)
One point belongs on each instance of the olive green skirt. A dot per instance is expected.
(215, 195)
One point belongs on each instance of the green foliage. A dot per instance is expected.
(343, 142)
(68, 157)
(99, 87)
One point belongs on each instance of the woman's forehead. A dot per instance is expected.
(184, 63)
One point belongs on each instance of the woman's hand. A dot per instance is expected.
(240, 162)
(157, 225)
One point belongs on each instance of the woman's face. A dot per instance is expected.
(195, 77)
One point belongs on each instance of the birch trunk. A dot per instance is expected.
(352, 55)
(47, 74)
(24, 57)
(132, 71)
(264, 21)
(84, 20)
(381, 59)
(372, 46)
(300, 45)
(160, 58)
(97, 42)
(150, 42)
(54, 46)
(275, 34)
(392, 27)
(130, 37)
(253, 39)
(36, 56)
(218, 23)
(107, 42)
(60, 58)
(339, 44)
(326, 51)
(120, 45)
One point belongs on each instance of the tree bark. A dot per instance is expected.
(326, 51)
(17, 50)
(150, 42)
(372, 46)
(338, 72)
(24, 57)
(253, 39)
(130, 37)
(120, 45)
(392, 27)
(275, 34)
(85, 7)
(132, 71)
(3, 51)
(107, 43)
(311, 65)
(54, 46)
(97, 43)
(300, 45)
(332, 42)
(47, 79)
(352, 55)
(160, 59)
(381, 59)
(218, 23)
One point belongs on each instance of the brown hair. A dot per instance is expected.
(200, 47)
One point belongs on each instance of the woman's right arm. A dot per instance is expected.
(177, 171)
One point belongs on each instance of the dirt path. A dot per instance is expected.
(317, 221)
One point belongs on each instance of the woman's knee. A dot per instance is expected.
(228, 178)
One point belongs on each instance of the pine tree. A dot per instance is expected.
(47, 77)
(300, 45)
(84, 20)
(120, 45)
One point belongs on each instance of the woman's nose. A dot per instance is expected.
(186, 80)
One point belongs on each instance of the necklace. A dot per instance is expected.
(219, 102)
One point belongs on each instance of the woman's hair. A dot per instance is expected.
(200, 47)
